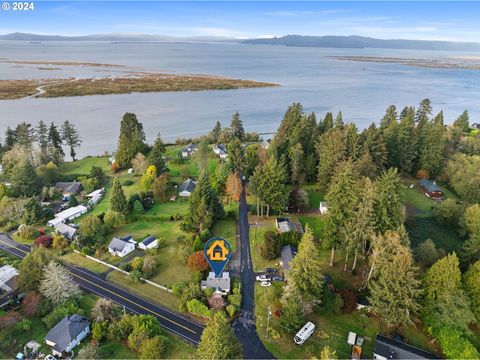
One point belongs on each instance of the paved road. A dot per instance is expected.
(244, 326)
(185, 328)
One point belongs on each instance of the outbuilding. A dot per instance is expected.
(431, 189)
(387, 348)
(186, 188)
(67, 231)
(68, 215)
(323, 207)
(150, 242)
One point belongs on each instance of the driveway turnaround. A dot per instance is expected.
(187, 329)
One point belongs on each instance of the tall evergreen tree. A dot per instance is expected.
(326, 124)
(118, 201)
(215, 133)
(218, 340)
(235, 156)
(462, 122)
(342, 196)
(10, 138)
(156, 155)
(71, 137)
(131, 140)
(472, 287)
(433, 151)
(373, 142)
(42, 139)
(236, 127)
(54, 139)
(331, 150)
(57, 284)
(297, 158)
(388, 201)
(25, 180)
(394, 289)
(25, 135)
(305, 276)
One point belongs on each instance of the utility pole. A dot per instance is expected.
(268, 319)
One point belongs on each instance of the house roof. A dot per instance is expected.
(288, 253)
(286, 225)
(65, 214)
(429, 185)
(394, 349)
(8, 276)
(66, 330)
(66, 230)
(265, 143)
(95, 193)
(188, 185)
(323, 204)
(118, 244)
(190, 147)
(69, 187)
(148, 240)
(222, 283)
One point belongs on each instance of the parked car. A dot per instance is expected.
(265, 283)
(277, 279)
(262, 278)
(270, 270)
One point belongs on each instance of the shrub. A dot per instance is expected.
(338, 304)
(59, 242)
(128, 183)
(196, 307)
(162, 243)
(31, 303)
(197, 262)
(178, 288)
(43, 240)
(136, 263)
(24, 325)
(135, 276)
(197, 244)
(154, 348)
(150, 265)
(26, 232)
(235, 300)
(426, 253)
(270, 248)
(216, 302)
(208, 292)
(205, 235)
(99, 330)
(349, 300)
(231, 310)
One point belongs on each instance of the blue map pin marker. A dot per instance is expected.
(217, 251)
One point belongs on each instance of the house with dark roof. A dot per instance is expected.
(287, 254)
(431, 189)
(475, 126)
(68, 188)
(189, 150)
(186, 188)
(121, 246)
(387, 348)
(67, 334)
(220, 150)
(265, 144)
(150, 242)
(8, 284)
(285, 224)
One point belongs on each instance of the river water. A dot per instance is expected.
(360, 90)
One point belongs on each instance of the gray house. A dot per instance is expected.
(221, 285)
(67, 334)
(121, 246)
(387, 348)
(189, 150)
(68, 188)
(287, 254)
(67, 231)
(186, 188)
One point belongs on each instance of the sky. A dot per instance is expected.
(457, 21)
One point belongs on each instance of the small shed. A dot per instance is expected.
(186, 188)
(323, 207)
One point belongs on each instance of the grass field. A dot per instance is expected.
(226, 229)
(316, 222)
(83, 166)
(149, 292)
(256, 239)
(79, 260)
(423, 228)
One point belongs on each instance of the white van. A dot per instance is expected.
(305, 332)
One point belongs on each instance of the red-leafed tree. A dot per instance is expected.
(43, 240)
(216, 302)
(31, 302)
(349, 300)
(197, 261)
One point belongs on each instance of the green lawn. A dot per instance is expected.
(79, 260)
(316, 222)
(414, 197)
(83, 166)
(149, 292)
(226, 229)
(423, 228)
(256, 239)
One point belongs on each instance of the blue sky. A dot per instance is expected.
(407, 20)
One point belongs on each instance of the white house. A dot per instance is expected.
(95, 193)
(150, 242)
(220, 150)
(67, 334)
(323, 207)
(8, 284)
(68, 215)
(221, 285)
(189, 150)
(265, 143)
(186, 188)
(121, 246)
(67, 231)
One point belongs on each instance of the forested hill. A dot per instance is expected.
(364, 42)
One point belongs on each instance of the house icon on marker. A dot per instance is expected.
(217, 251)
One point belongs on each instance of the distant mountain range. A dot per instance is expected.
(361, 42)
(329, 41)
(17, 36)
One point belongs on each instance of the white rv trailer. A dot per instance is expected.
(305, 332)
